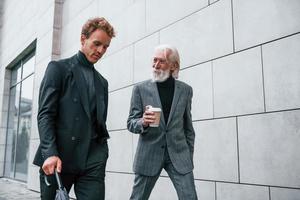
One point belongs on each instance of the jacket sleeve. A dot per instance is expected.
(188, 124)
(134, 121)
(48, 109)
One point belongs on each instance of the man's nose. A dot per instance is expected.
(156, 65)
(101, 49)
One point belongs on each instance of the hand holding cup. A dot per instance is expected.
(151, 116)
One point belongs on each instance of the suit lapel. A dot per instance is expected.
(99, 89)
(82, 88)
(177, 92)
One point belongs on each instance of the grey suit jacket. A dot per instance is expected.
(177, 135)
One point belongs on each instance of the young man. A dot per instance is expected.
(72, 118)
(171, 144)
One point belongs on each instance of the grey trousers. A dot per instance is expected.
(183, 183)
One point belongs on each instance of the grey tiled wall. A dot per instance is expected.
(241, 57)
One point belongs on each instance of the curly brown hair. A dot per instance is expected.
(97, 23)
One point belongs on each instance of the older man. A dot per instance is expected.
(171, 144)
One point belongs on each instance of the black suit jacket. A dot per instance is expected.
(64, 120)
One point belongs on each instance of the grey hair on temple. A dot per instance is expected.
(172, 55)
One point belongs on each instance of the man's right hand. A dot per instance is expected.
(50, 164)
(148, 117)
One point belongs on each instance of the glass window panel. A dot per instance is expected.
(19, 120)
(16, 75)
(28, 67)
(12, 129)
(24, 129)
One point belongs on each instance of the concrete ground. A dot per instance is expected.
(11, 190)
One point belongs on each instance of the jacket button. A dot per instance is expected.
(76, 118)
(73, 138)
(75, 100)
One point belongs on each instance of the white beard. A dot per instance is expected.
(160, 75)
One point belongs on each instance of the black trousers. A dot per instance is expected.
(88, 184)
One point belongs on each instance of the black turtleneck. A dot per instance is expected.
(87, 69)
(166, 93)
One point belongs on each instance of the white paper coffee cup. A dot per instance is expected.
(157, 113)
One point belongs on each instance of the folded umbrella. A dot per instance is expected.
(61, 192)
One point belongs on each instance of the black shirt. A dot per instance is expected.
(166, 93)
(87, 70)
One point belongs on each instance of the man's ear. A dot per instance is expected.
(82, 39)
(173, 67)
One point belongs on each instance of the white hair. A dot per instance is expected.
(172, 55)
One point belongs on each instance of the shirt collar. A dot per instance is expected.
(167, 83)
(83, 60)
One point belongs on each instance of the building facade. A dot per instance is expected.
(241, 57)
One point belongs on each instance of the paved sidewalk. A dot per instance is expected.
(12, 190)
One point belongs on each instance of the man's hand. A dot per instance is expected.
(50, 164)
(148, 117)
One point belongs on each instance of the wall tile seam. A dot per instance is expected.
(213, 2)
(129, 173)
(76, 14)
(31, 19)
(232, 26)
(180, 19)
(263, 78)
(154, 32)
(246, 115)
(117, 172)
(121, 88)
(20, 28)
(117, 50)
(246, 184)
(215, 181)
(133, 84)
(132, 148)
(210, 60)
(213, 89)
(133, 65)
(238, 149)
(216, 194)
(118, 130)
(46, 8)
(47, 31)
(225, 117)
(239, 51)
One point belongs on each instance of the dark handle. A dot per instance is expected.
(58, 180)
